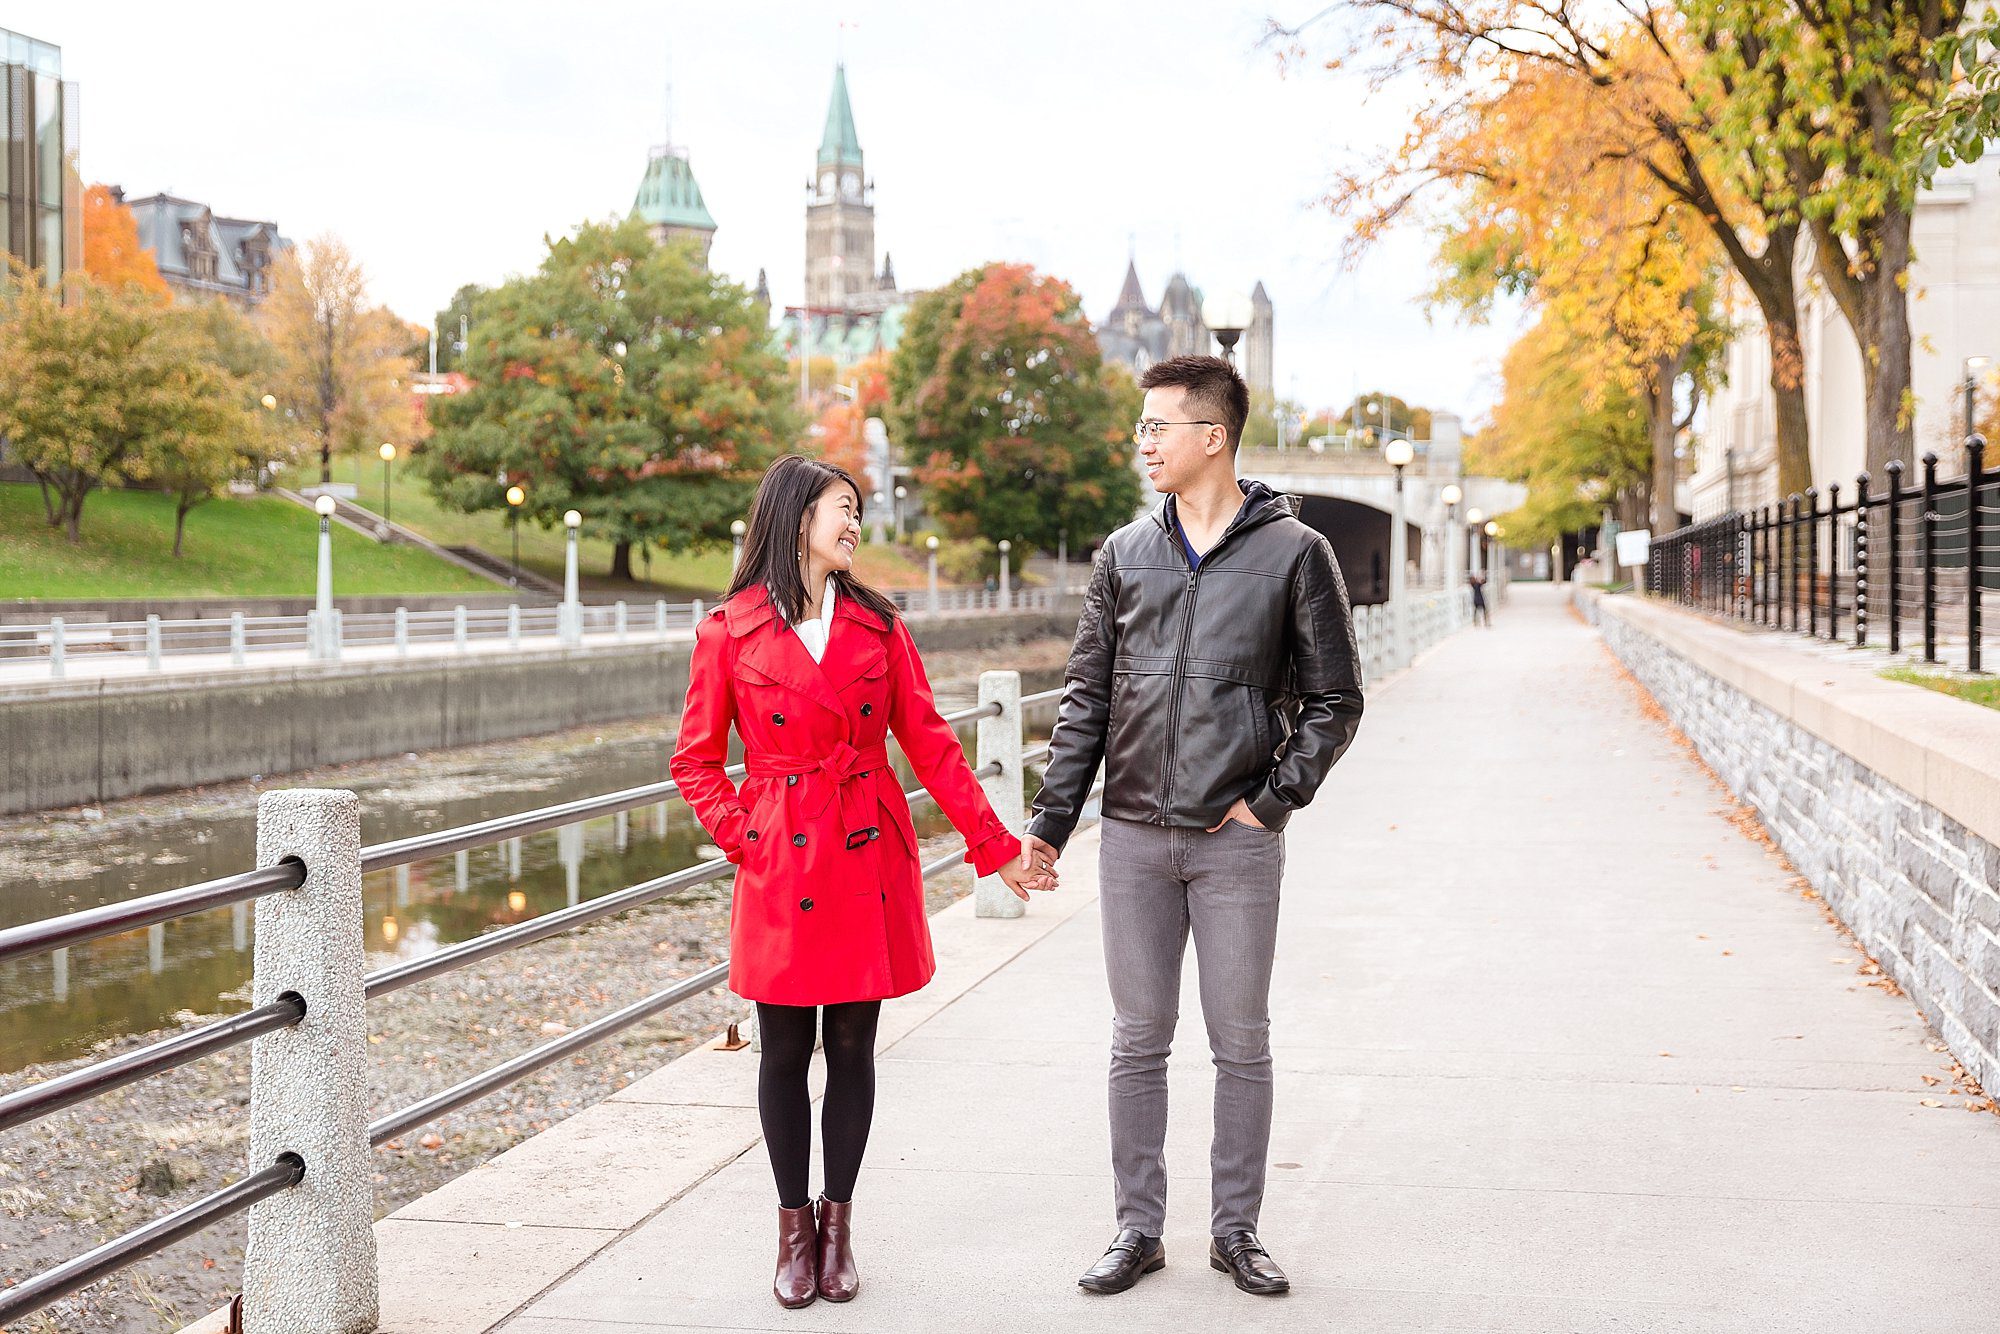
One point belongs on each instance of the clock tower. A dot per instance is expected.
(840, 211)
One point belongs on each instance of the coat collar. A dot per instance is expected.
(769, 646)
(752, 607)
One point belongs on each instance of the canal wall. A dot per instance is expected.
(91, 742)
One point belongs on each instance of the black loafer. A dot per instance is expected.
(1241, 1256)
(1132, 1254)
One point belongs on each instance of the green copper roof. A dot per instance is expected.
(840, 144)
(668, 195)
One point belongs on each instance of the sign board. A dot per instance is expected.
(1633, 544)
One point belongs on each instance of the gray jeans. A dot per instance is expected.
(1155, 885)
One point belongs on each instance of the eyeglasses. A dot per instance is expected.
(1152, 428)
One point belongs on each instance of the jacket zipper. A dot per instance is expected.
(1174, 714)
(1180, 662)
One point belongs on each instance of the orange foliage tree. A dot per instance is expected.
(111, 250)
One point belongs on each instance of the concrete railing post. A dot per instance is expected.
(618, 620)
(152, 643)
(1000, 739)
(309, 1266)
(660, 618)
(237, 644)
(458, 636)
(56, 665)
(513, 625)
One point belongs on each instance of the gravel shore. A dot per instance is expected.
(91, 1172)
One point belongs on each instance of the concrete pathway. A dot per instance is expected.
(1557, 1049)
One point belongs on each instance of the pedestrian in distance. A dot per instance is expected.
(815, 670)
(1480, 611)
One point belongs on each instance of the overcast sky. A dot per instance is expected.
(442, 141)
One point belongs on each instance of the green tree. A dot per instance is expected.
(1000, 397)
(93, 389)
(621, 379)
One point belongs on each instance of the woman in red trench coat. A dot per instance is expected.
(815, 671)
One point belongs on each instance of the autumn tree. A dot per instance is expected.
(839, 434)
(1640, 91)
(1573, 439)
(94, 389)
(1855, 98)
(111, 250)
(1000, 395)
(342, 374)
(194, 466)
(622, 379)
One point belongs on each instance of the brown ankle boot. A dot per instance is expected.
(797, 1282)
(838, 1281)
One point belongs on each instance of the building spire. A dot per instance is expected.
(840, 145)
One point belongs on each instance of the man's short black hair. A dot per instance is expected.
(1214, 390)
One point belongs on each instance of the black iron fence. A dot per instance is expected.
(1898, 565)
(287, 1169)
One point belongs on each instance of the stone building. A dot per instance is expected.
(670, 201)
(1135, 334)
(202, 254)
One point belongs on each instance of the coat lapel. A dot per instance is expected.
(771, 648)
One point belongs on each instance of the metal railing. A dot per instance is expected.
(308, 963)
(1896, 565)
(61, 641)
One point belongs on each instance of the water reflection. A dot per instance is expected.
(58, 1005)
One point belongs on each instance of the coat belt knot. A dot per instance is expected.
(844, 768)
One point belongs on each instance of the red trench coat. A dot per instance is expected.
(829, 900)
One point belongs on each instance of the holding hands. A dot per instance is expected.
(1035, 868)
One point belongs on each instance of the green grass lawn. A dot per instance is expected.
(676, 574)
(240, 548)
(1984, 690)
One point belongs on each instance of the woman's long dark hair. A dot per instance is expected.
(789, 492)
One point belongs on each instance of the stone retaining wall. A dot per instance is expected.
(1884, 795)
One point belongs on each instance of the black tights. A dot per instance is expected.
(848, 1037)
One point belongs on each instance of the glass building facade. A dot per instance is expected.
(41, 195)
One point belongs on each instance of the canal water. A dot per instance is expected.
(57, 1006)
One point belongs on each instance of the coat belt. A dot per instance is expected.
(843, 767)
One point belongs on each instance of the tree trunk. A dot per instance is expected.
(621, 560)
(326, 461)
(1788, 400)
(73, 516)
(180, 525)
(1869, 292)
(48, 501)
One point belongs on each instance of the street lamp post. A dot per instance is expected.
(1473, 518)
(876, 536)
(1499, 569)
(1006, 576)
(515, 497)
(1451, 495)
(324, 646)
(388, 455)
(931, 544)
(736, 531)
(902, 494)
(572, 613)
(1399, 453)
(1973, 365)
(1227, 315)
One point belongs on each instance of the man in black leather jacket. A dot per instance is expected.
(1215, 676)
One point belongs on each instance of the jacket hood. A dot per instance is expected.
(1261, 505)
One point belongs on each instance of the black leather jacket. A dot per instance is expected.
(1239, 678)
